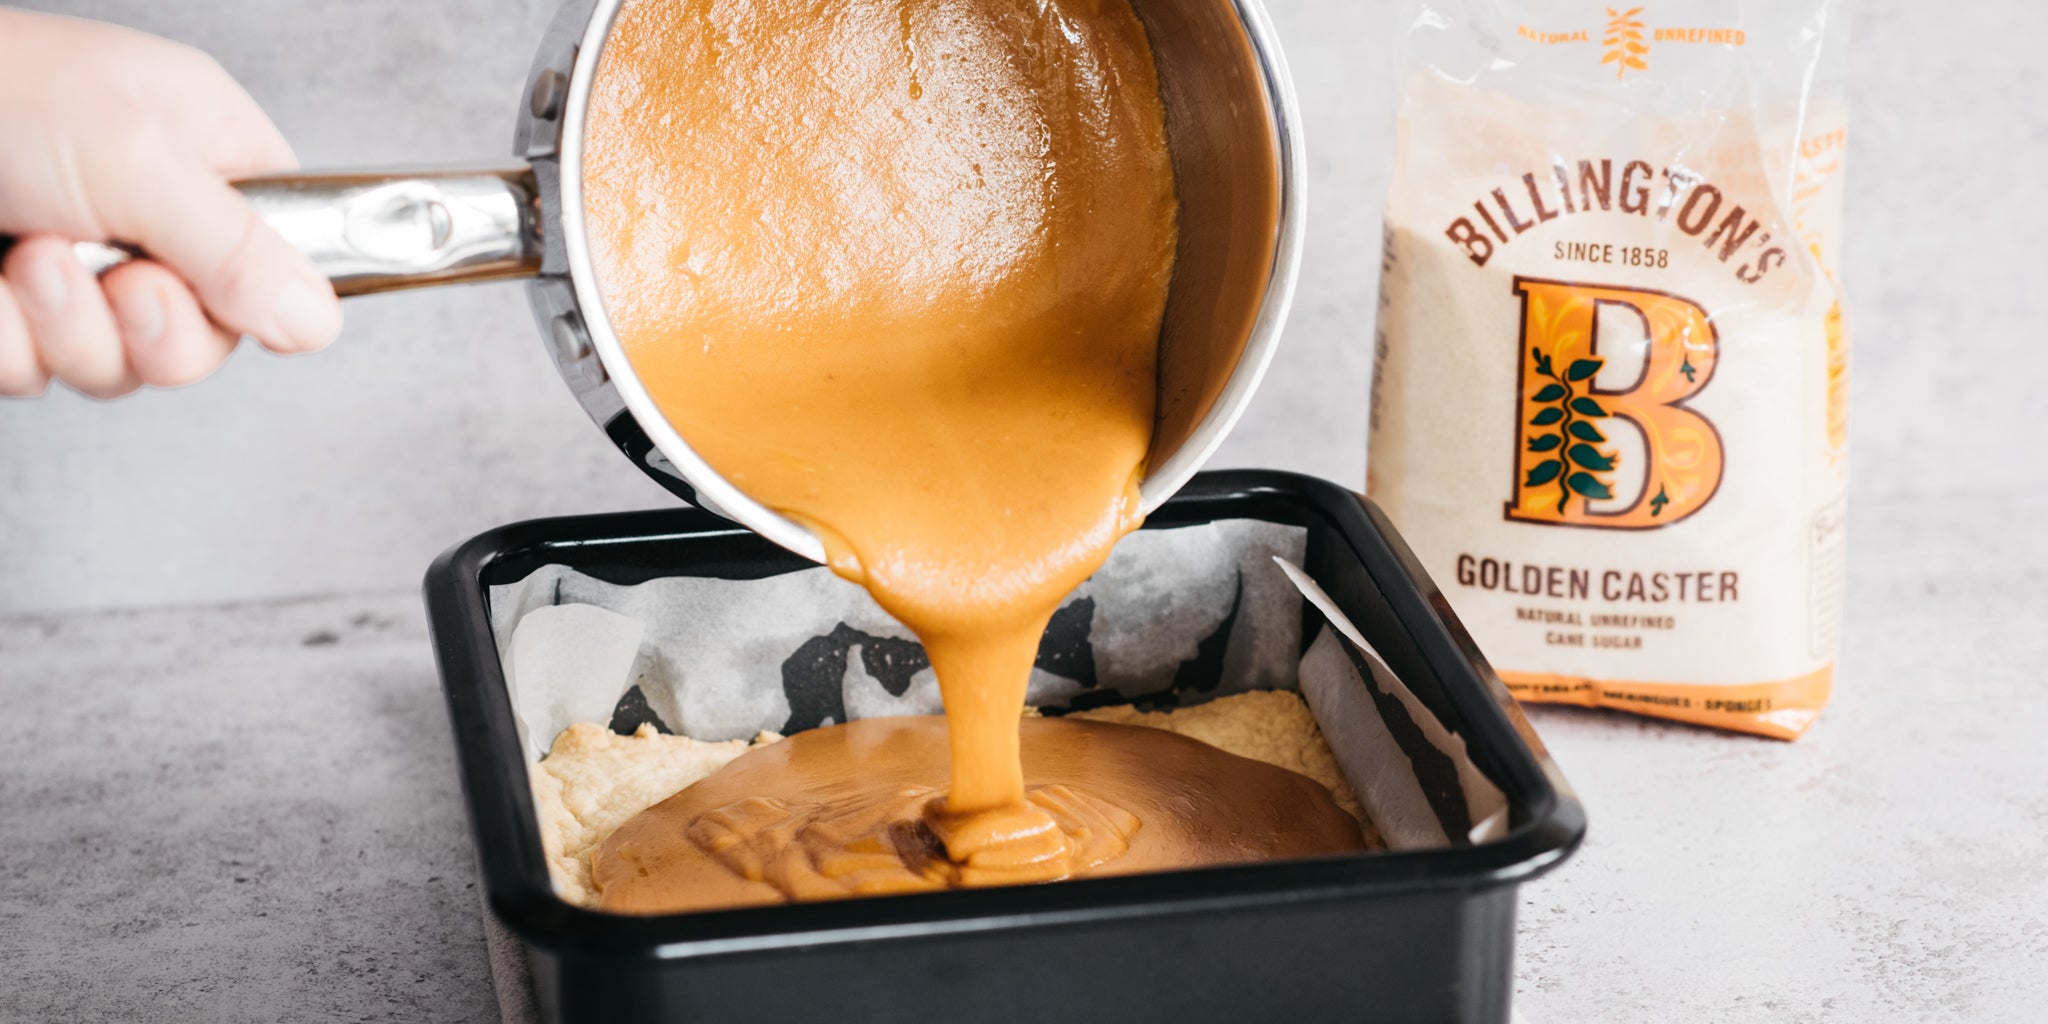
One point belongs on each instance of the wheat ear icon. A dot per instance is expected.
(1623, 41)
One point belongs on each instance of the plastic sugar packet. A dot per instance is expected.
(1611, 372)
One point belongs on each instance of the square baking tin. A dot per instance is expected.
(1387, 936)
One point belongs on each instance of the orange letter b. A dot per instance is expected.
(1565, 470)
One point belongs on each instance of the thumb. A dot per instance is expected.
(250, 279)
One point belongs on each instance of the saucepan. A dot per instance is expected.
(1231, 127)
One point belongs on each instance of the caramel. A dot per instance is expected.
(896, 269)
(840, 811)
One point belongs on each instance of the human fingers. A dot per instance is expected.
(199, 106)
(235, 136)
(169, 129)
(169, 341)
(249, 279)
(74, 331)
(21, 373)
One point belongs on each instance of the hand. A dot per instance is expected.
(112, 135)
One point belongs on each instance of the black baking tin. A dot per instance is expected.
(1421, 935)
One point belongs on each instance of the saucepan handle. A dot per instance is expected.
(380, 232)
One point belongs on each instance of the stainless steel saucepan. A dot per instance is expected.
(1232, 127)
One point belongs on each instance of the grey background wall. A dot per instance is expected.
(438, 414)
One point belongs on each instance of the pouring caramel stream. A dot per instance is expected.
(896, 269)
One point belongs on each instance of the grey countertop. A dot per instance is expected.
(243, 807)
(250, 813)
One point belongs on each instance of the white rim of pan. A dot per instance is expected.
(1164, 480)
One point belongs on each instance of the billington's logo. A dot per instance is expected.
(1568, 471)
